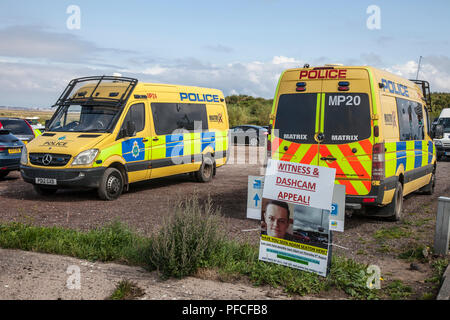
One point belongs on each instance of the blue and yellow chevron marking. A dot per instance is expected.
(174, 145)
(208, 139)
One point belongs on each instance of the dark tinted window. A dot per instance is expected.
(296, 117)
(347, 118)
(16, 127)
(136, 113)
(410, 120)
(169, 117)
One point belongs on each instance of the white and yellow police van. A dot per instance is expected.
(108, 132)
(372, 126)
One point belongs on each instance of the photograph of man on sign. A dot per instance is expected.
(276, 219)
(295, 223)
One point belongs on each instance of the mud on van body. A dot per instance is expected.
(109, 132)
(368, 124)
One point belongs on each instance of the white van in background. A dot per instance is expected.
(443, 145)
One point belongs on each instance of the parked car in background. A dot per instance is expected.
(37, 127)
(249, 134)
(18, 127)
(10, 152)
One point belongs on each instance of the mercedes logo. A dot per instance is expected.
(47, 159)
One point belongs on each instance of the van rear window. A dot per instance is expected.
(346, 118)
(17, 127)
(169, 117)
(296, 117)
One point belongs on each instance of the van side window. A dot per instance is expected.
(410, 120)
(169, 117)
(136, 113)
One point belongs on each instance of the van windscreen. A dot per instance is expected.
(346, 118)
(296, 117)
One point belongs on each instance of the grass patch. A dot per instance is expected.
(114, 242)
(126, 290)
(397, 290)
(391, 233)
(414, 254)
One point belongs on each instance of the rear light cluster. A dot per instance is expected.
(378, 162)
(301, 86)
(31, 128)
(344, 86)
(2, 148)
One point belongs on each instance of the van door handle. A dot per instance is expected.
(155, 139)
(328, 159)
(145, 140)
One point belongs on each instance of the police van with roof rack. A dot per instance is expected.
(108, 132)
(372, 126)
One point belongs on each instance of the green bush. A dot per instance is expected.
(188, 238)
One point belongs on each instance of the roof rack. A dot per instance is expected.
(67, 97)
(425, 85)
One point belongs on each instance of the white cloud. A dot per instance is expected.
(435, 70)
(284, 60)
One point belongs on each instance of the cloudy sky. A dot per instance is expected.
(240, 47)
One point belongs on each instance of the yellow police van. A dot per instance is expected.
(370, 125)
(108, 132)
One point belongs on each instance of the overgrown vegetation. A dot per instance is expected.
(244, 109)
(189, 237)
(114, 242)
(439, 101)
(189, 241)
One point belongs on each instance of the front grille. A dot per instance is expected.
(60, 175)
(446, 145)
(49, 159)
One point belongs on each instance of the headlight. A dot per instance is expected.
(438, 142)
(24, 156)
(85, 158)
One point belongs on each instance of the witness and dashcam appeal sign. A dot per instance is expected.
(299, 184)
(295, 227)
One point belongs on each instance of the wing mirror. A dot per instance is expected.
(438, 132)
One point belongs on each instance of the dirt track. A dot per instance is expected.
(145, 204)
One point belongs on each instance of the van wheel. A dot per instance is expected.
(111, 186)
(394, 209)
(43, 191)
(206, 171)
(429, 188)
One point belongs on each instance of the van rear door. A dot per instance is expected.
(327, 127)
(347, 131)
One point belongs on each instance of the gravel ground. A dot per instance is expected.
(144, 206)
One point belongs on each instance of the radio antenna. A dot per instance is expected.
(418, 68)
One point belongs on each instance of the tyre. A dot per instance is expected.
(394, 210)
(45, 191)
(253, 142)
(206, 171)
(3, 174)
(429, 188)
(112, 185)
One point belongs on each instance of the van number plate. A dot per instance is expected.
(46, 181)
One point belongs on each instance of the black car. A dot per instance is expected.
(18, 127)
(249, 134)
(10, 153)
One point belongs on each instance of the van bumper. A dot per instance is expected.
(376, 194)
(67, 178)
